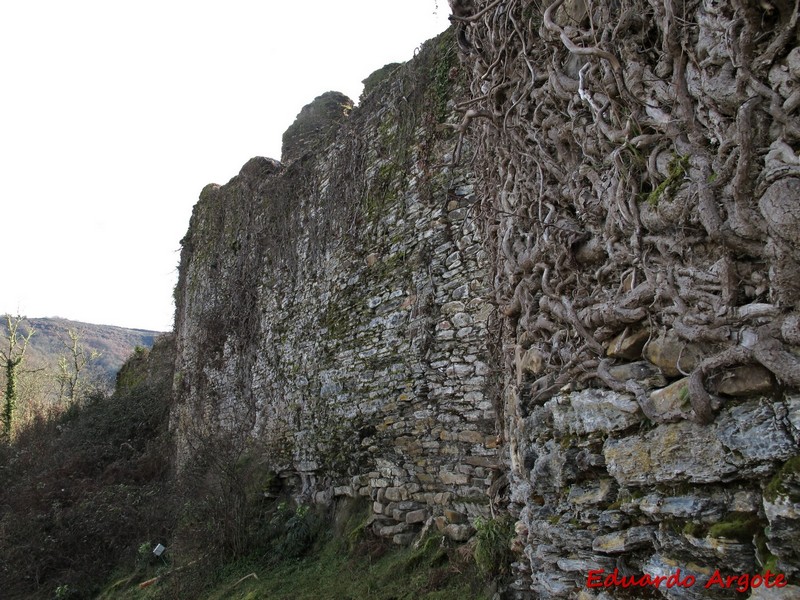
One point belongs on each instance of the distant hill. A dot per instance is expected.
(114, 344)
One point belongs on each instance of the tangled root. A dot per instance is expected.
(640, 168)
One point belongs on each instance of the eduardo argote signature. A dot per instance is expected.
(743, 582)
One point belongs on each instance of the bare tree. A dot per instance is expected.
(12, 356)
(71, 367)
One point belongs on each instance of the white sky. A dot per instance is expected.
(114, 115)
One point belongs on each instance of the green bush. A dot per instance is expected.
(492, 550)
(298, 533)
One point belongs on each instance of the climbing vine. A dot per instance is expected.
(581, 112)
(12, 356)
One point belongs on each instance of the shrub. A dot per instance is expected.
(81, 490)
(298, 533)
(492, 549)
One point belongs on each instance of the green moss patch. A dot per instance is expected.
(786, 481)
(675, 173)
(738, 526)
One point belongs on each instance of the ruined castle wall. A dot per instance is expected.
(590, 321)
(332, 309)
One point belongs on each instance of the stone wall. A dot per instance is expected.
(631, 154)
(332, 313)
(589, 321)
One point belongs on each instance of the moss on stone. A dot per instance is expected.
(777, 485)
(770, 564)
(738, 526)
(335, 320)
(382, 192)
(694, 529)
(442, 88)
(377, 77)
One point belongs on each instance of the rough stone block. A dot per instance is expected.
(458, 533)
(790, 592)
(345, 490)
(674, 506)
(593, 492)
(672, 355)
(440, 523)
(528, 361)
(460, 320)
(448, 478)
(748, 380)
(392, 530)
(754, 429)
(472, 437)
(628, 345)
(452, 308)
(489, 462)
(453, 516)
(624, 541)
(672, 402)
(403, 539)
(593, 410)
(643, 372)
(670, 453)
(417, 516)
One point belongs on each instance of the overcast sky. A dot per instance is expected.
(114, 115)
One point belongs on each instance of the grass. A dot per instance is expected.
(398, 574)
(373, 569)
(492, 553)
(345, 560)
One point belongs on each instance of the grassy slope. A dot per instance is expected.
(338, 568)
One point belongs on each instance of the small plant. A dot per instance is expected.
(63, 592)
(675, 174)
(144, 554)
(492, 551)
(293, 531)
(299, 533)
(144, 550)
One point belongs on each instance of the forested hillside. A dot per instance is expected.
(112, 344)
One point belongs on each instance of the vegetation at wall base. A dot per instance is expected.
(88, 492)
(344, 561)
(492, 548)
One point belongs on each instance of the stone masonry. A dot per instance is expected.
(332, 309)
